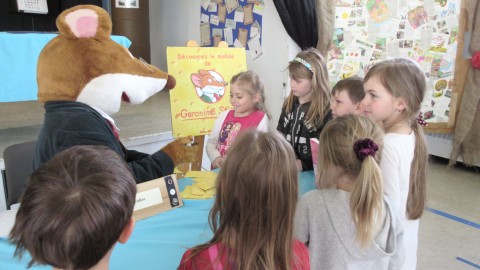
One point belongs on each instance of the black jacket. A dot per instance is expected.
(69, 123)
(292, 126)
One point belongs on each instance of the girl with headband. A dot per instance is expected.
(348, 223)
(306, 110)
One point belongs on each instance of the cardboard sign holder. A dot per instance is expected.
(157, 196)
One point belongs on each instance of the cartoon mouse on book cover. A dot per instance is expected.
(209, 85)
(83, 76)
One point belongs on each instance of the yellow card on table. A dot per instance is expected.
(203, 179)
(201, 174)
(197, 191)
(202, 90)
(205, 185)
(191, 192)
(211, 191)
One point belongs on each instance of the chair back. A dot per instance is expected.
(18, 160)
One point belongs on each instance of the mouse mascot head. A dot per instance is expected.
(83, 76)
(83, 64)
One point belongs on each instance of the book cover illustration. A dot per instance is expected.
(202, 89)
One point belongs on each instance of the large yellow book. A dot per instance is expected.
(202, 91)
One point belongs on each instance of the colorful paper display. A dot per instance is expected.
(369, 31)
(238, 23)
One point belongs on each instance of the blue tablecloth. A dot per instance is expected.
(157, 242)
(18, 63)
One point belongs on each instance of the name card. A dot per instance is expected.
(157, 196)
(148, 198)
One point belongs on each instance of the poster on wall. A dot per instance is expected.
(237, 22)
(202, 91)
(369, 31)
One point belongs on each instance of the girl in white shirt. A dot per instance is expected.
(394, 92)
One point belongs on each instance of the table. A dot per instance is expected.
(19, 52)
(157, 242)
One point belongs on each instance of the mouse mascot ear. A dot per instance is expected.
(83, 64)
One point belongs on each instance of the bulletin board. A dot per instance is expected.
(426, 31)
(237, 22)
(202, 91)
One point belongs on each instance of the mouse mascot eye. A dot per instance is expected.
(83, 76)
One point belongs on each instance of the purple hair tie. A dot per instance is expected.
(421, 121)
(364, 148)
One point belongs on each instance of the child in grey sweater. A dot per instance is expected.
(348, 223)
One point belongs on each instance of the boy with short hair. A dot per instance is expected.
(75, 208)
(347, 96)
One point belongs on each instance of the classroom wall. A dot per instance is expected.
(172, 23)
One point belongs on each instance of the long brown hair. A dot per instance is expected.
(403, 78)
(255, 86)
(320, 85)
(337, 158)
(257, 190)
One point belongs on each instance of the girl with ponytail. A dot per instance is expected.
(395, 90)
(348, 223)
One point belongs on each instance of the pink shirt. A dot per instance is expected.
(232, 126)
(208, 260)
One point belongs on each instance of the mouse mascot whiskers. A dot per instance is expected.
(83, 76)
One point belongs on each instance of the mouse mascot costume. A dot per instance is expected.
(83, 76)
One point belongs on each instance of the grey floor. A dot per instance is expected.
(449, 235)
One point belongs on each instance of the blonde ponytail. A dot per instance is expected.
(352, 145)
(418, 175)
(366, 201)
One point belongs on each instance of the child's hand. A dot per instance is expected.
(218, 162)
(299, 165)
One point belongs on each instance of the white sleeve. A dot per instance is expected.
(212, 141)
(300, 228)
(398, 259)
(263, 125)
(389, 164)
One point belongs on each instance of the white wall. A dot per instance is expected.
(173, 23)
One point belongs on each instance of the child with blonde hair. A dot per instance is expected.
(347, 96)
(306, 110)
(252, 216)
(394, 92)
(347, 223)
(247, 97)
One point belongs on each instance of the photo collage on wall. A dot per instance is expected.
(369, 31)
(237, 22)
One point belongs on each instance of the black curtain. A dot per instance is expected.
(300, 20)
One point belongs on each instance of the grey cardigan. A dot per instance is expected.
(324, 223)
